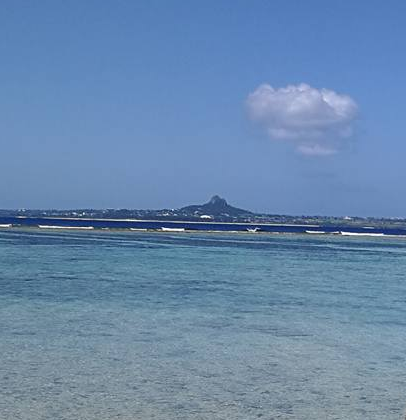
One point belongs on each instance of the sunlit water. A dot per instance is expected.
(102, 325)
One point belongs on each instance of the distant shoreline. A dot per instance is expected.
(180, 226)
(341, 234)
(98, 219)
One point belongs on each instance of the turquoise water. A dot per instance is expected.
(103, 325)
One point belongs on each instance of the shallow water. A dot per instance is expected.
(102, 325)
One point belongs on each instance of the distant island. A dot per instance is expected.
(216, 209)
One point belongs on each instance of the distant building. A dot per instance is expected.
(206, 216)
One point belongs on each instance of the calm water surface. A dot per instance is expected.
(103, 325)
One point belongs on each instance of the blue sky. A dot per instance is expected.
(150, 104)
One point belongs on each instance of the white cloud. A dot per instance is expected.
(317, 121)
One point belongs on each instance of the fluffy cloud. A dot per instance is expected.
(317, 121)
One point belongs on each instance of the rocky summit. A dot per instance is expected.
(217, 206)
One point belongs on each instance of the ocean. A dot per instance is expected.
(102, 325)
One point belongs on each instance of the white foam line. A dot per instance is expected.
(319, 232)
(167, 229)
(66, 227)
(361, 234)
